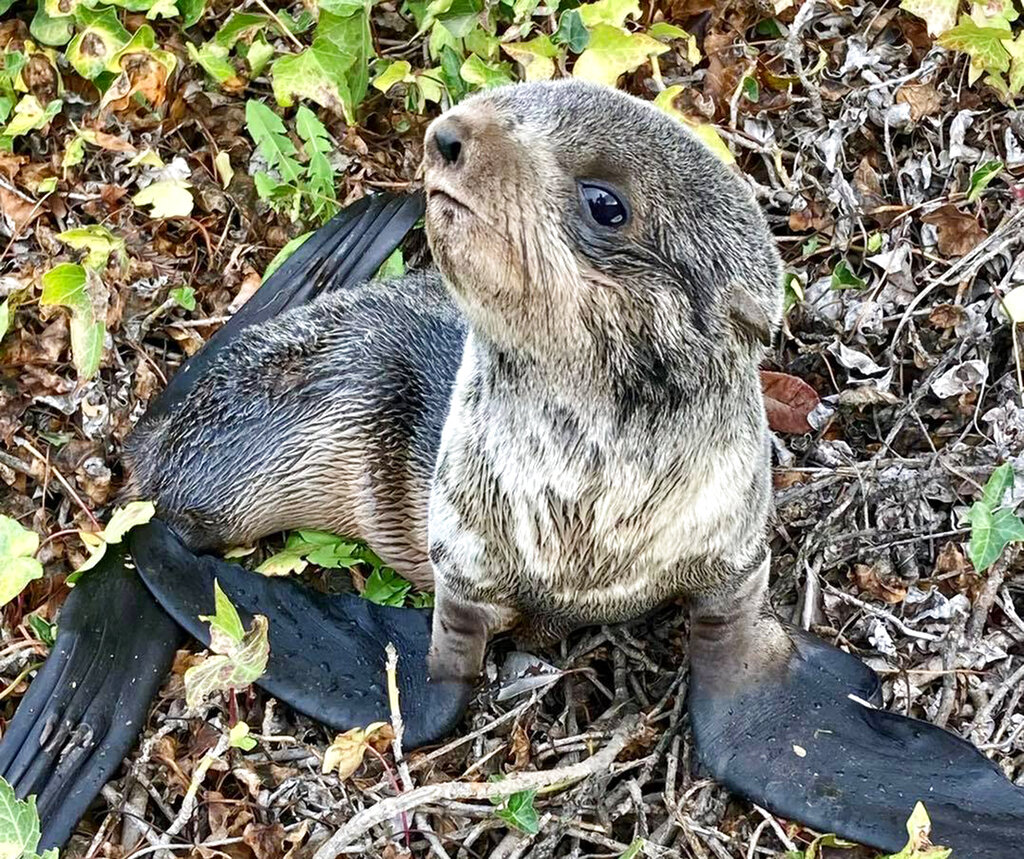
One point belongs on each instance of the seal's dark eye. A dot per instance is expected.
(604, 206)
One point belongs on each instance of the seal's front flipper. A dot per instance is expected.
(85, 709)
(774, 721)
(345, 252)
(327, 653)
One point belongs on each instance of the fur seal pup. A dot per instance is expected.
(563, 427)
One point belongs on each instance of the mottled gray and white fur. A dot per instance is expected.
(563, 426)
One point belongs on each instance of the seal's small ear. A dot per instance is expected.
(748, 316)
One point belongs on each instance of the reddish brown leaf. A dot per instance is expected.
(958, 234)
(788, 401)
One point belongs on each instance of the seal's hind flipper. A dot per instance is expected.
(85, 709)
(327, 656)
(789, 737)
(345, 252)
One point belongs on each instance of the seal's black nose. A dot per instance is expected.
(447, 139)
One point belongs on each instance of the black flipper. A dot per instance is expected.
(345, 252)
(85, 709)
(327, 656)
(792, 740)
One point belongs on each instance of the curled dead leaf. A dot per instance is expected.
(788, 401)
(923, 99)
(346, 753)
(878, 581)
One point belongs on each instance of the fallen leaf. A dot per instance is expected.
(346, 753)
(924, 99)
(939, 15)
(169, 198)
(17, 212)
(788, 401)
(18, 565)
(957, 234)
(875, 580)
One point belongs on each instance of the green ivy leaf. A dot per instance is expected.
(793, 291)
(45, 631)
(99, 38)
(214, 60)
(844, 278)
(518, 812)
(333, 71)
(52, 30)
(240, 26)
(984, 45)
(993, 529)
(571, 32)
(634, 850)
(66, 285)
(19, 824)
(185, 296)
(191, 11)
(612, 53)
(483, 74)
(981, 178)
(18, 565)
(393, 266)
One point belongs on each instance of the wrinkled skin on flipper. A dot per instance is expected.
(115, 644)
(327, 653)
(85, 708)
(774, 721)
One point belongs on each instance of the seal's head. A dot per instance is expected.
(571, 219)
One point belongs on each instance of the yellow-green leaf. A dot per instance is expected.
(981, 178)
(30, 115)
(984, 45)
(226, 630)
(239, 668)
(66, 285)
(169, 198)
(19, 824)
(612, 53)
(939, 15)
(703, 131)
(98, 241)
(536, 57)
(919, 845)
(238, 737)
(125, 518)
(665, 31)
(395, 73)
(18, 565)
(610, 12)
(99, 38)
(484, 74)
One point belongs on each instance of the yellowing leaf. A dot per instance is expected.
(67, 285)
(484, 74)
(611, 12)
(18, 567)
(612, 53)
(241, 665)
(704, 132)
(238, 737)
(919, 845)
(666, 31)
(939, 15)
(346, 753)
(1013, 304)
(98, 241)
(169, 198)
(19, 824)
(222, 164)
(984, 45)
(121, 522)
(1016, 51)
(395, 73)
(30, 115)
(226, 630)
(536, 57)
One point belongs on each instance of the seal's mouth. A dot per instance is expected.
(444, 197)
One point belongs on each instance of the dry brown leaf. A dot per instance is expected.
(520, 748)
(250, 283)
(958, 234)
(813, 216)
(788, 401)
(265, 840)
(946, 316)
(924, 99)
(142, 74)
(17, 212)
(879, 582)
